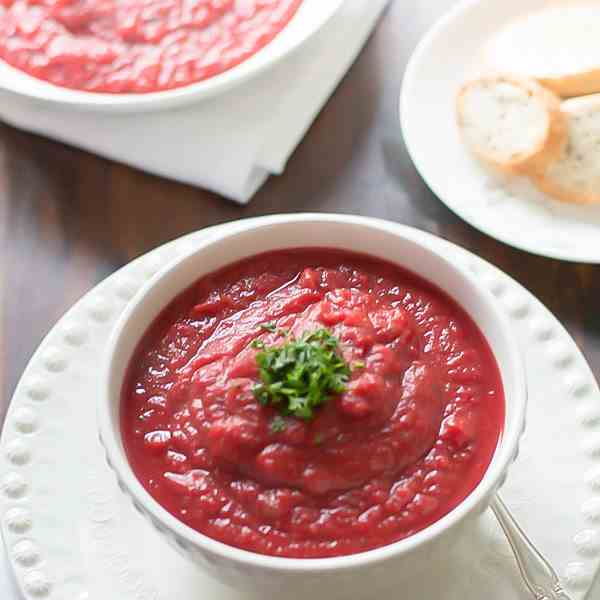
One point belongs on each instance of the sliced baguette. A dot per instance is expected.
(575, 176)
(558, 46)
(512, 124)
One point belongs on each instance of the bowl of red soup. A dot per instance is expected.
(310, 399)
(132, 55)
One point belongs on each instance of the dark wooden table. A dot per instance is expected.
(68, 218)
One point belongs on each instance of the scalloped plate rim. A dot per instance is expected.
(190, 238)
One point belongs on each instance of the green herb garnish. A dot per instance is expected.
(278, 425)
(271, 327)
(301, 374)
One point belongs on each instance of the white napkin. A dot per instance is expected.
(229, 144)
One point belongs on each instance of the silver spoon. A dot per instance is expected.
(539, 577)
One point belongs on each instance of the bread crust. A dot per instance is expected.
(571, 86)
(546, 150)
(558, 192)
(554, 188)
(559, 46)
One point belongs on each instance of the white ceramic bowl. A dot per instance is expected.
(401, 245)
(311, 16)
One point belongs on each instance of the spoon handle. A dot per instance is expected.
(539, 577)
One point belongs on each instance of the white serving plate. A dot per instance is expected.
(248, 570)
(70, 533)
(511, 210)
(311, 16)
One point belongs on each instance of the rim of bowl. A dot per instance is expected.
(503, 457)
(264, 59)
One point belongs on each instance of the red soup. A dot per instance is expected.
(136, 45)
(407, 436)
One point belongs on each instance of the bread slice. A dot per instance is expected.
(558, 46)
(575, 176)
(513, 124)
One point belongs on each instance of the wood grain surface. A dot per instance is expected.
(68, 218)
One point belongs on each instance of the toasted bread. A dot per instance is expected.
(557, 46)
(575, 176)
(512, 124)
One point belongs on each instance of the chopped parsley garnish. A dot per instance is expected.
(278, 425)
(271, 327)
(301, 374)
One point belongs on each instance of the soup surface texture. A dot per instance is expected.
(136, 46)
(407, 439)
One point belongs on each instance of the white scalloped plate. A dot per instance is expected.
(71, 535)
(312, 15)
(510, 210)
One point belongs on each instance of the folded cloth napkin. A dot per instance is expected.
(229, 144)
